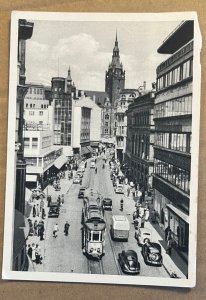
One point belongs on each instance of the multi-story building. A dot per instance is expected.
(62, 107)
(140, 140)
(127, 96)
(21, 227)
(42, 158)
(115, 76)
(86, 126)
(173, 120)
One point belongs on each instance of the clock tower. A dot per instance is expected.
(115, 76)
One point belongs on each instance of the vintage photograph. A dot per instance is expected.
(103, 147)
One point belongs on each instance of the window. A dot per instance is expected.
(106, 117)
(34, 91)
(26, 105)
(26, 143)
(34, 143)
(30, 105)
(106, 123)
(106, 131)
(41, 113)
(31, 113)
(37, 91)
(42, 105)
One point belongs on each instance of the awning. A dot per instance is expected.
(60, 161)
(31, 178)
(84, 150)
(178, 212)
(28, 194)
(90, 149)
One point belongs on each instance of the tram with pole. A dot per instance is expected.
(94, 226)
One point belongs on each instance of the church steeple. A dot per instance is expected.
(115, 76)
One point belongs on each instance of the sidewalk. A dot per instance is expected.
(174, 263)
(49, 190)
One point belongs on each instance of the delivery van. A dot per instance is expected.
(119, 227)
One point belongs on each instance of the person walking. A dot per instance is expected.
(41, 204)
(167, 233)
(29, 251)
(55, 230)
(35, 228)
(128, 191)
(66, 228)
(38, 254)
(34, 211)
(37, 210)
(170, 244)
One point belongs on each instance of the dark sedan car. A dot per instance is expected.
(128, 261)
(81, 192)
(107, 203)
(151, 253)
(53, 210)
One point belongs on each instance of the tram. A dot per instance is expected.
(94, 226)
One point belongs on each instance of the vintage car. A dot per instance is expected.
(77, 179)
(143, 235)
(151, 253)
(119, 189)
(107, 203)
(81, 192)
(53, 210)
(128, 261)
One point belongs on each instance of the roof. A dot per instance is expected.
(177, 38)
(128, 91)
(99, 96)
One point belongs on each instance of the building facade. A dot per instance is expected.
(127, 96)
(140, 140)
(86, 126)
(108, 123)
(173, 120)
(40, 155)
(115, 76)
(21, 226)
(62, 119)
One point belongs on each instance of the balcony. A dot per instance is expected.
(36, 127)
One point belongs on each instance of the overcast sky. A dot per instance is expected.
(87, 48)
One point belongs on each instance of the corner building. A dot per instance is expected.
(173, 124)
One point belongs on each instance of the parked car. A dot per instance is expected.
(119, 189)
(81, 192)
(143, 235)
(53, 210)
(77, 179)
(107, 203)
(128, 261)
(151, 253)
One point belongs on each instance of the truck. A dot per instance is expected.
(120, 227)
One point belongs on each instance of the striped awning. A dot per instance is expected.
(90, 149)
(60, 161)
(84, 150)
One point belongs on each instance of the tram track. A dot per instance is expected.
(103, 190)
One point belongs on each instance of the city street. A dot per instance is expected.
(64, 253)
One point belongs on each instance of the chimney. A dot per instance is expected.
(144, 85)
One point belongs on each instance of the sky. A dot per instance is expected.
(86, 47)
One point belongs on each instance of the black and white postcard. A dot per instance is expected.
(103, 148)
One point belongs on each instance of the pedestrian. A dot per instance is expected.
(62, 199)
(38, 254)
(167, 233)
(66, 228)
(43, 213)
(34, 211)
(37, 210)
(170, 244)
(41, 230)
(59, 200)
(55, 230)
(128, 191)
(35, 228)
(41, 204)
(33, 257)
(29, 251)
(146, 214)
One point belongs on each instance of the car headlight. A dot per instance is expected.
(91, 250)
(98, 249)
